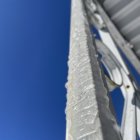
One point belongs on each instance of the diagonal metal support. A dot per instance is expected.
(127, 85)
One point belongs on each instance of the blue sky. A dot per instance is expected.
(34, 39)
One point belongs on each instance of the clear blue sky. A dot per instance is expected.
(34, 38)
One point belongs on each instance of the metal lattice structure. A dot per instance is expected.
(89, 112)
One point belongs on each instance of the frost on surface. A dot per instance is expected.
(86, 95)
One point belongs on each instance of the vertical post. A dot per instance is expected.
(87, 113)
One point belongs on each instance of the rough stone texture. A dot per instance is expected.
(87, 112)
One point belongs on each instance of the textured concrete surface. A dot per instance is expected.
(87, 113)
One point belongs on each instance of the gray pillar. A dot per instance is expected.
(87, 113)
